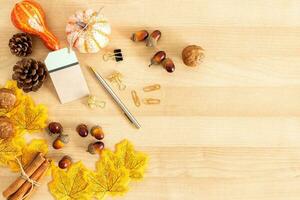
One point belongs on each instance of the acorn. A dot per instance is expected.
(140, 36)
(55, 128)
(153, 38)
(97, 132)
(96, 147)
(168, 64)
(82, 130)
(58, 143)
(158, 58)
(65, 162)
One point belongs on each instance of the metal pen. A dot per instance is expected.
(116, 98)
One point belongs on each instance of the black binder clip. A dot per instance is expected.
(116, 55)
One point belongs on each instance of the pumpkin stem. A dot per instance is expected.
(82, 25)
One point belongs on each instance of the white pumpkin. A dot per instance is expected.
(88, 31)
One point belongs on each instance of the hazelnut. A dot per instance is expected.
(7, 98)
(192, 55)
(7, 129)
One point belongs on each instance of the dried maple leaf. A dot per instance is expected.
(109, 180)
(29, 151)
(30, 117)
(9, 149)
(72, 184)
(125, 155)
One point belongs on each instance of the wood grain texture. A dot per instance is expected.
(228, 130)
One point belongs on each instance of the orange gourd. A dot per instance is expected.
(29, 17)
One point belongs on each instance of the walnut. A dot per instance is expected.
(7, 129)
(7, 98)
(192, 55)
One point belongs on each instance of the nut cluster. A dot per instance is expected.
(160, 57)
(152, 39)
(55, 128)
(97, 133)
(143, 35)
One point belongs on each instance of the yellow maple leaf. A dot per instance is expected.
(109, 180)
(26, 116)
(30, 117)
(9, 149)
(29, 151)
(113, 172)
(72, 184)
(125, 155)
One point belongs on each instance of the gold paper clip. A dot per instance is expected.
(93, 102)
(151, 101)
(135, 98)
(116, 99)
(116, 77)
(151, 88)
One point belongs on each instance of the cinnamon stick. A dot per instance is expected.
(39, 181)
(26, 187)
(30, 169)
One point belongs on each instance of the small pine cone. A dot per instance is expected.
(20, 44)
(29, 74)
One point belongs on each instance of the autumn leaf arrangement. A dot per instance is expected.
(27, 118)
(114, 171)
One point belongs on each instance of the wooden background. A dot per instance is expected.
(227, 130)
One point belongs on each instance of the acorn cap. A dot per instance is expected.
(64, 138)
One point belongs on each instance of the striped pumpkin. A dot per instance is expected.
(29, 17)
(88, 31)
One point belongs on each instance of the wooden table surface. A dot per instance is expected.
(227, 130)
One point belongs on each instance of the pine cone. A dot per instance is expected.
(21, 44)
(29, 74)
